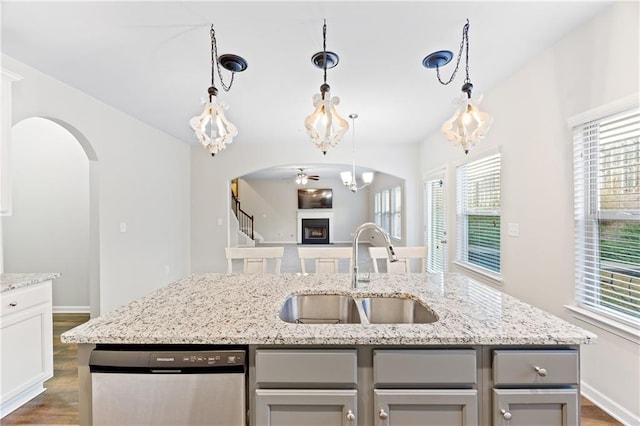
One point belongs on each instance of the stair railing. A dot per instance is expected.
(244, 219)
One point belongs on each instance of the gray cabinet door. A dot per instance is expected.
(534, 407)
(297, 407)
(441, 407)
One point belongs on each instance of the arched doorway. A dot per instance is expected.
(53, 226)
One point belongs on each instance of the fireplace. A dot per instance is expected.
(315, 231)
(315, 226)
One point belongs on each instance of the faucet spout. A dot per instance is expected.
(356, 237)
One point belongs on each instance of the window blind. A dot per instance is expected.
(436, 235)
(607, 215)
(478, 213)
(396, 212)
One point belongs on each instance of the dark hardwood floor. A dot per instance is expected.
(58, 405)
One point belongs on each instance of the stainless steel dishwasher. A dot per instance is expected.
(164, 386)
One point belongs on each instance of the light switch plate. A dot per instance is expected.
(514, 229)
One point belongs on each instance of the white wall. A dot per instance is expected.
(143, 179)
(49, 226)
(211, 178)
(594, 65)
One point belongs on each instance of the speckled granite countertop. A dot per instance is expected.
(244, 309)
(11, 281)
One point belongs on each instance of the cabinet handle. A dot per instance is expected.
(350, 416)
(383, 415)
(505, 414)
(13, 304)
(542, 372)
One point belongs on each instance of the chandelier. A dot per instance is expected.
(468, 124)
(325, 126)
(349, 178)
(212, 128)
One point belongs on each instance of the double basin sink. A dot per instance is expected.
(345, 309)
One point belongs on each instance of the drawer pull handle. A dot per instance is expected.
(542, 372)
(13, 304)
(505, 414)
(350, 416)
(383, 415)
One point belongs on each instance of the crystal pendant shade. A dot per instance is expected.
(325, 126)
(212, 128)
(468, 124)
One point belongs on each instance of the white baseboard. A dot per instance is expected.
(614, 409)
(71, 309)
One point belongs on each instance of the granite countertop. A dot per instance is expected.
(11, 281)
(244, 309)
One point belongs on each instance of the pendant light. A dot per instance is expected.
(468, 124)
(212, 128)
(325, 126)
(349, 178)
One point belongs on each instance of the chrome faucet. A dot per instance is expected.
(390, 252)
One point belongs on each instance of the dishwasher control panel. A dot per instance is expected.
(196, 359)
(169, 360)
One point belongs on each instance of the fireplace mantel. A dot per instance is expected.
(315, 214)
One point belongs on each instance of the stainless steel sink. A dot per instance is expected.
(320, 309)
(397, 310)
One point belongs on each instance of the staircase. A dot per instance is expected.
(247, 235)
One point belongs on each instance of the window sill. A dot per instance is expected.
(483, 273)
(625, 331)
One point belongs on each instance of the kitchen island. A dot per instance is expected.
(483, 338)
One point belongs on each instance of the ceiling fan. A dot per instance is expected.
(302, 178)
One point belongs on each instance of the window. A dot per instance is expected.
(388, 211)
(377, 209)
(436, 232)
(607, 215)
(396, 213)
(478, 213)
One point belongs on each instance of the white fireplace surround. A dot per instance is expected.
(315, 214)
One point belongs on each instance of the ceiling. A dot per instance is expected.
(152, 59)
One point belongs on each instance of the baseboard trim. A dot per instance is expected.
(71, 309)
(611, 407)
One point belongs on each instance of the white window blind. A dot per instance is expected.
(607, 215)
(377, 209)
(436, 233)
(478, 213)
(396, 212)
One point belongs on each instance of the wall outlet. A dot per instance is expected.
(123, 227)
(219, 222)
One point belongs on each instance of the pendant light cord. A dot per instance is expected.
(215, 63)
(324, 50)
(463, 43)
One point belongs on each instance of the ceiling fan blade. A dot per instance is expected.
(313, 177)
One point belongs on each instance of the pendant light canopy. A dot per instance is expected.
(212, 128)
(325, 126)
(468, 124)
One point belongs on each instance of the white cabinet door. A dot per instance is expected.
(534, 407)
(26, 354)
(441, 407)
(304, 407)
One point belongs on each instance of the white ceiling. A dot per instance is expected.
(152, 59)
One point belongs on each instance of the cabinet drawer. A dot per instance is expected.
(535, 367)
(424, 367)
(17, 300)
(313, 367)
